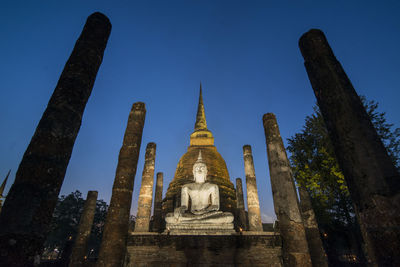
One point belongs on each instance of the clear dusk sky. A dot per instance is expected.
(245, 53)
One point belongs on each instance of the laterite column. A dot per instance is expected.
(241, 213)
(253, 204)
(157, 213)
(317, 252)
(295, 247)
(27, 212)
(372, 178)
(142, 223)
(79, 251)
(113, 243)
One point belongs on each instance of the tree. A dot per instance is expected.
(65, 222)
(315, 168)
(389, 137)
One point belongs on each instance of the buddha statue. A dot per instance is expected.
(201, 139)
(204, 204)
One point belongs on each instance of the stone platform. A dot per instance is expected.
(218, 249)
(200, 232)
(200, 229)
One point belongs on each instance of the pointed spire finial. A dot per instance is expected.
(201, 123)
(3, 185)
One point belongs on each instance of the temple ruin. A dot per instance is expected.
(202, 219)
(204, 224)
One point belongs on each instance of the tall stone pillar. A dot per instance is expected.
(113, 243)
(65, 253)
(157, 213)
(142, 223)
(79, 250)
(241, 213)
(373, 181)
(317, 252)
(253, 204)
(295, 248)
(28, 209)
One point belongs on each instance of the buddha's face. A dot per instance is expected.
(200, 172)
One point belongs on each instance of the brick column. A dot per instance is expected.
(295, 247)
(253, 204)
(79, 250)
(28, 209)
(372, 178)
(113, 243)
(317, 252)
(157, 223)
(241, 213)
(142, 223)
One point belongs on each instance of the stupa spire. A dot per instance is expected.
(3, 185)
(201, 123)
(201, 135)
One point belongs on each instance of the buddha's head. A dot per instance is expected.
(200, 170)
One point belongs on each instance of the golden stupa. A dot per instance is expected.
(201, 139)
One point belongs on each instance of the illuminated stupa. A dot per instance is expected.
(201, 139)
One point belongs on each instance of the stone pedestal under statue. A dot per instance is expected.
(199, 211)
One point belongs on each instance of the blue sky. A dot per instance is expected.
(245, 53)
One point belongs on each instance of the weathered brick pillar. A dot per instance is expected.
(253, 204)
(113, 243)
(28, 209)
(157, 213)
(317, 252)
(373, 180)
(66, 253)
(142, 223)
(241, 213)
(286, 204)
(79, 250)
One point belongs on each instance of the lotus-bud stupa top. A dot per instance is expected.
(201, 140)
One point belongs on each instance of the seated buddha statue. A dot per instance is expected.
(204, 199)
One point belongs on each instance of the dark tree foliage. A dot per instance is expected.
(389, 136)
(65, 222)
(315, 167)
